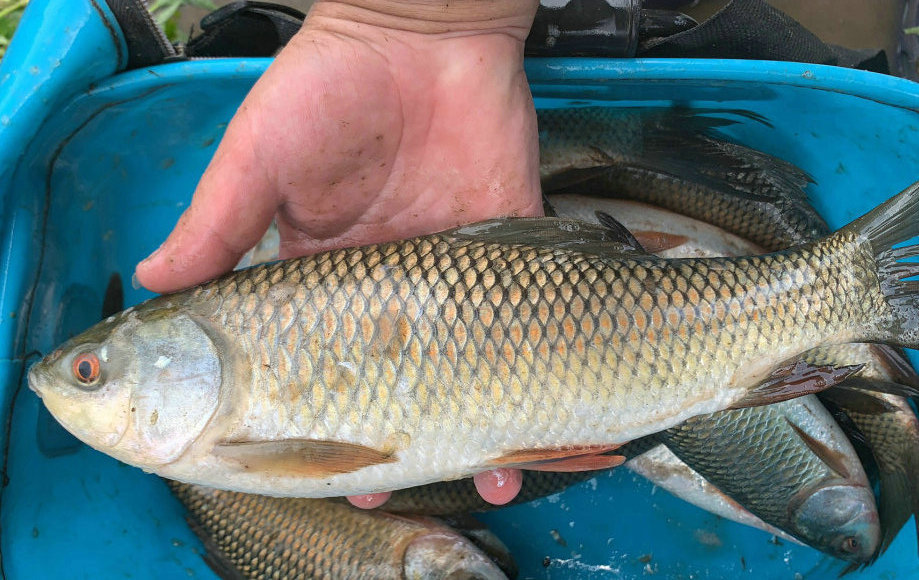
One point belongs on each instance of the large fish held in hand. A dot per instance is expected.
(522, 342)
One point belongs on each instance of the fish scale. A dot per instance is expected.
(507, 337)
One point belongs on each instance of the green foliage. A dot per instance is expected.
(10, 13)
(167, 14)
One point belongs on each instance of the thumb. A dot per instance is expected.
(229, 212)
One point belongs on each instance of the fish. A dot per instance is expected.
(887, 422)
(659, 231)
(253, 536)
(664, 469)
(684, 237)
(792, 467)
(519, 342)
(676, 159)
(778, 463)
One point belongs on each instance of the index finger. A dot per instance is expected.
(229, 212)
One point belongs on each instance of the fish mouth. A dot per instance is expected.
(37, 379)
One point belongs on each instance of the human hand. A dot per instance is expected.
(380, 120)
(368, 127)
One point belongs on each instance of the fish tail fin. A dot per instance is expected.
(891, 223)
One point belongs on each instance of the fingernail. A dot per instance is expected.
(370, 500)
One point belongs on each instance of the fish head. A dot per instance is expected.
(841, 520)
(140, 386)
(447, 556)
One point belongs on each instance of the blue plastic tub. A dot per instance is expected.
(96, 166)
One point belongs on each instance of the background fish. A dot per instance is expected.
(887, 422)
(252, 536)
(674, 159)
(376, 368)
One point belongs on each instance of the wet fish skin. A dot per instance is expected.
(674, 159)
(252, 536)
(369, 369)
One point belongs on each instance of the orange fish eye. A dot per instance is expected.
(86, 368)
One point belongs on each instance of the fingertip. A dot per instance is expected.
(499, 486)
(369, 500)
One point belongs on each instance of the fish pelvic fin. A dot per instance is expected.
(561, 459)
(894, 222)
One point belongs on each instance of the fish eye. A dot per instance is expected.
(86, 368)
(850, 544)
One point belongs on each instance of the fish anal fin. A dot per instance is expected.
(793, 380)
(561, 459)
(301, 457)
(655, 242)
(833, 459)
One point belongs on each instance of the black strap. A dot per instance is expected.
(147, 45)
(245, 29)
(585, 28)
(752, 29)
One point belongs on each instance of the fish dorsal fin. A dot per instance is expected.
(551, 233)
(652, 242)
(896, 365)
(113, 299)
(301, 457)
(618, 230)
(833, 459)
(880, 386)
(856, 393)
(795, 379)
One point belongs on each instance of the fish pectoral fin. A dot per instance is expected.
(795, 379)
(561, 459)
(833, 459)
(301, 457)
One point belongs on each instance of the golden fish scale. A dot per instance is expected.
(538, 347)
(268, 537)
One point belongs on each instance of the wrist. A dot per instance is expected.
(457, 17)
